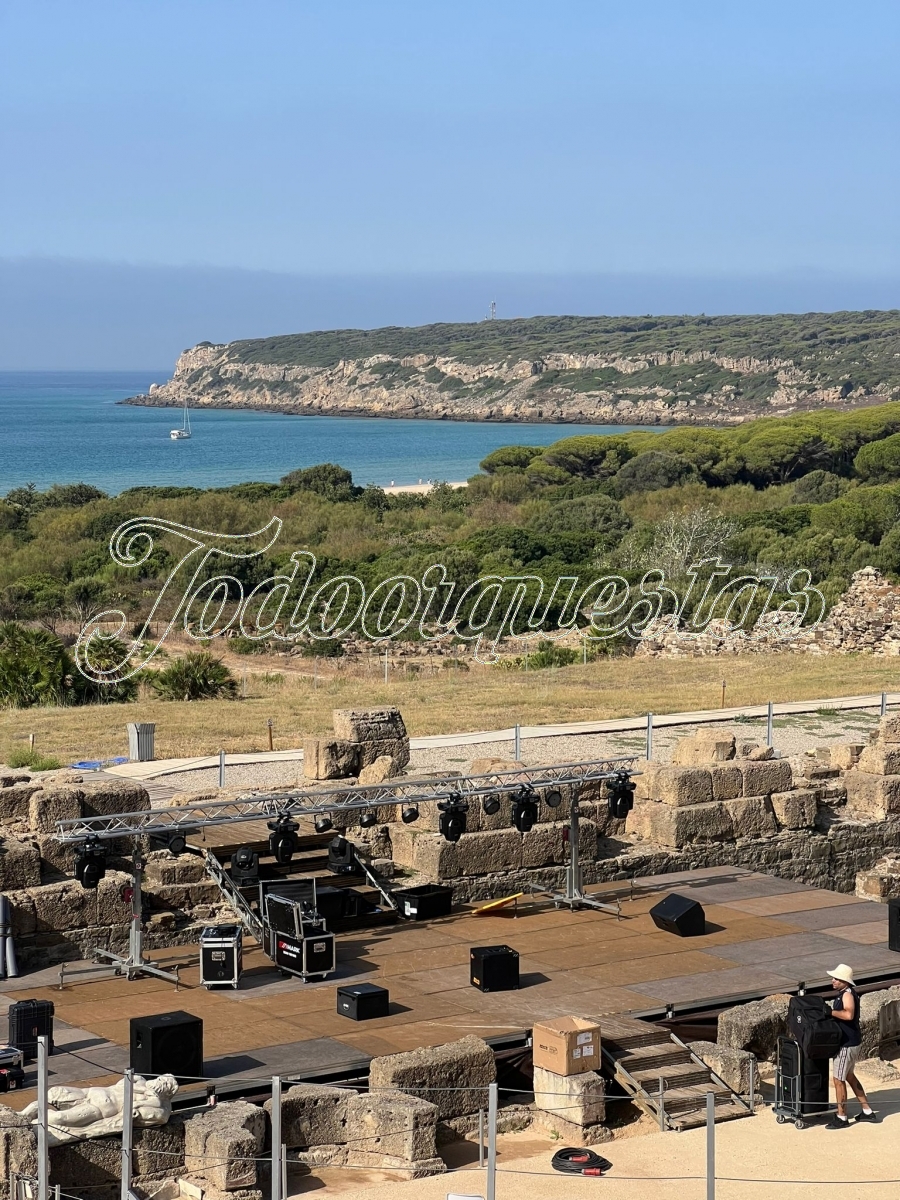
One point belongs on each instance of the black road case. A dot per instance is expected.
(29, 1020)
(426, 902)
(801, 1085)
(306, 956)
(221, 956)
(494, 968)
(363, 1001)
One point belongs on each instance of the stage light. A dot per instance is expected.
(452, 821)
(409, 814)
(324, 823)
(245, 867)
(283, 839)
(367, 820)
(553, 798)
(620, 794)
(340, 857)
(177, 843)
(524, 810)
(490, 805)
(90, 863)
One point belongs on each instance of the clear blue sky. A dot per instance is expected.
(657, 138)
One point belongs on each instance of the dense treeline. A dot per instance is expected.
(820, 492)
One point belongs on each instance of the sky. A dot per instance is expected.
(175, 171)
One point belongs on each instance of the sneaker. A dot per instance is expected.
(837, 1123)
(869, 1116)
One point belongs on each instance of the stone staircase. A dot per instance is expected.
(641, 1057)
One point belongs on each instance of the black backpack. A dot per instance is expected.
(811, 1024)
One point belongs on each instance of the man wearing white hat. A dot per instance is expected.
(846, 1009)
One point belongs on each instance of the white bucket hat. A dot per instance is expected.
(842, 972)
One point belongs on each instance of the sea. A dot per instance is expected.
(67, 427)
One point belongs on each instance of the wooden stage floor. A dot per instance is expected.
(763, 934)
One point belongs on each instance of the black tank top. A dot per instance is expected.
(850, 1030)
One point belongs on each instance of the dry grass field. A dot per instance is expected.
(481, 699)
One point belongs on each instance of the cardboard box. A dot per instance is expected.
(566, 1045)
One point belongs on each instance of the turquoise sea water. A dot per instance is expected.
(64, 427)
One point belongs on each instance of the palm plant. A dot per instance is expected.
(198, 675)
(35, 668)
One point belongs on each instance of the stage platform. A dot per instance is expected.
(763, 935)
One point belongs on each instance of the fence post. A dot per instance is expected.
(649, 754)
(491, 1188)
(127, 1131)
(884, 704)
(276, 1137)
(769, 717)
(221, 768)
(481, 1137)
(43, 1164)
(710, 1146)
(752, 1082)
(661, 1104)
(517, 742)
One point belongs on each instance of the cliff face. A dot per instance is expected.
(659, 386)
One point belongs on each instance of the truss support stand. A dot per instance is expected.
(135, 964)
(573, 897)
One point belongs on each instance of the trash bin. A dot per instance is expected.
(140, 741)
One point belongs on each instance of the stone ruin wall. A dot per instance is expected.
(866, 620)
(53, 918)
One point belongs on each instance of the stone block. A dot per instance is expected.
(645, 780)
(889, 729)
(112, 909)
(64, 906)
(105, 798)
(59, 856)
(704, 747)
(580, 1099)
(760, 754)
(567, 1133)
(745, 749)
(22, 913)
(879, 1019)
(880, 759)
(796, 809)
(751, 816)
(369, 725)
(490, 766)
(880, 882)
(163, 869)
(18, 1148)
(473, 854)
(378, 771)
(391, 1129)
(397, 749)
(464, 1068)
(14, 801)
(846, 755)
(93, 1165)
(9, 777)
(50, 805)
(329, 758)
(548, 844)
(158, 1149)
(666, 826)
(872, 795)
(313, 1114)
(222, 1145)
(678, 786)
(764, 778)
(727, 782)
(20, 863)
(755, 1027)
(731, 1065)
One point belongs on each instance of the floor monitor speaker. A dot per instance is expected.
(678, 914)
(168, 1044)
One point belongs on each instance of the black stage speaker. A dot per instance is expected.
(362, 1001)
(678, 914)
(168, 1044)
(894, 925)
(494, 968)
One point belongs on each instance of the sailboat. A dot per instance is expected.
(185, 430)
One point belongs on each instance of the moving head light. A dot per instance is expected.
(452, 821)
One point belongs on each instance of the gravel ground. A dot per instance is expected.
(792, 735)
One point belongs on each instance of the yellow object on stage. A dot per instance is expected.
(485, 908)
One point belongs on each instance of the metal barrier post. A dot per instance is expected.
(491, 1189)
(517, 742)
(884, 704)
(710, 1146)
(752, 1097)
(127, 1132)
(481, 1137)
(661, 1103)
(769, 724)
(43, 1150)
(649, 755)
(221, 768)
(276, 1138)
